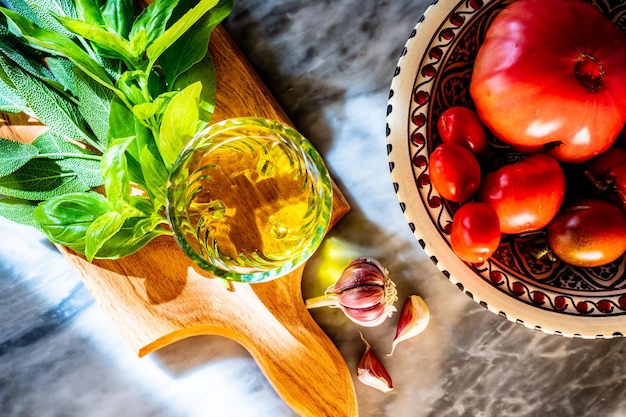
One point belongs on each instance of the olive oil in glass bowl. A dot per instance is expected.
(249, 199)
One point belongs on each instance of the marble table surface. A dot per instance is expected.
(329, 64)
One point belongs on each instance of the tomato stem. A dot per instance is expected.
(588, 71)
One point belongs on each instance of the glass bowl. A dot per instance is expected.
(249, 199)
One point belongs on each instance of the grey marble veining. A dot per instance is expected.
(329, 64)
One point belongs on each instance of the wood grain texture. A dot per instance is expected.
(158, 296)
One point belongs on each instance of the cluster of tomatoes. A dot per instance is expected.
(527, 196)
(551, 86)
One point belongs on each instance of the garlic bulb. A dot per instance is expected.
(364, 292)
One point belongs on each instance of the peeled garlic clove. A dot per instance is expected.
(413, 320)
(372, 372)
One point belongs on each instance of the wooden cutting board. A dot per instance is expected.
(158, 296)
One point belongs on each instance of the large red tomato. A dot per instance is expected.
(526, 195)
(550, 76)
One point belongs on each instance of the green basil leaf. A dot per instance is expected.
(119, 15)
(14, 155)
(94, 104)
(100, 231)
(122, 124)
(18, 210)
(144, 111)
(125, 242)
(143, 205)
(89, 11)
(156, 176)
(129, 85)
(66, 218)
(147, 225)
(152, 21)
(175, 31)
(139, 43)
(192, 46)
(114, 168)
(109, 44)
(205, 72)
(56, 43)
(179, 122)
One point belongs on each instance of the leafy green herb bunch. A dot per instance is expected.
(121, 89)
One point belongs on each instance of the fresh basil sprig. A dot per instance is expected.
(121, 92)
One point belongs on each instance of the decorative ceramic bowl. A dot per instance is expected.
(434, 73)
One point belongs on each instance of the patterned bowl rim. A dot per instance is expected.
(415, 66)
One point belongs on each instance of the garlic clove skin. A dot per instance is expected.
(362, 297)
(414, 319)
(366, 317)
(361, 271)
(372, 372)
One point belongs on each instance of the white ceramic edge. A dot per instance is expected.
(401, 91)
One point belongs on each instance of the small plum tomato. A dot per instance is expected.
(454, 172)
(525, 194)
(458, 124)
(475, 233)
(607, 173)
(589, 233)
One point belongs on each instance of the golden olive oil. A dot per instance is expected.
(248, 201)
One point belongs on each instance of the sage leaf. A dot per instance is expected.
(23, 8)
(43, 178)
(47, 10)
(175, 31)
(179, 122)
(63, 71)
(18, 210)
(100, 231)
(66, 218)
(94, 104)
(58, 44)
(53, 110)
(29, 59)
(54, 146)
(10, 100)
(14, 155)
